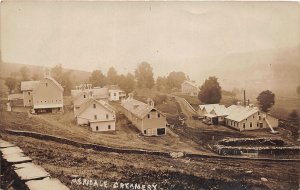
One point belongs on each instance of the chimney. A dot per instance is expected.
(244, 97)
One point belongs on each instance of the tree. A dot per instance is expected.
(210, 91)
(161, 82)
(35, 76)
(97, 78)
(24, 72)
(266, 99)
(175, 79)
(144, 75)
(63, 78)
(112, 76)
(293, 115)
(11, 83)
(127, 83)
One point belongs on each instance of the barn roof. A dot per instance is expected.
(239, 113)
(90, 101)
(210, 107)
(138, 108)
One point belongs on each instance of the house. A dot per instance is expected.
(249, 118)
(115, 93)
(145, 117)
(86, 90)
(97, 114)
(190, 88)
(27, 88)
(45, 95)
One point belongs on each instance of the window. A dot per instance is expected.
(46, 84)
(94, 105)
(148, 116)
(258, 113)
(29, 100)
(145, 132)
(28, 93)
(257, 124)
(97, 128)
(158, 115)
(244, 126)
(95, 117)
(259, 117)
(106, 116)
(251, 124)
(108, 127)
(84, 96)
(115, 94)
(253, 116)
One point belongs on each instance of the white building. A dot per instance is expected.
(45, 95)
(190, 88)
(115, 93)
(99, 115)
(145, 117)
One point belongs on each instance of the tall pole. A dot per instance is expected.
(244, 97)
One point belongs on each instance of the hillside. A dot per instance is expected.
(274, 69)
(77, 76)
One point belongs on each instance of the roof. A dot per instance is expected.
(97, 93)
(54, 81)
(90, 101)
(239, 113)
(137, 108)
(194, 84)
(28, 85)
(210, 107)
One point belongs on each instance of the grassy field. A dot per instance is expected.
(64, 125)
(64, 161)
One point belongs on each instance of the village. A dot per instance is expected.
(108, 113)
(152, 95)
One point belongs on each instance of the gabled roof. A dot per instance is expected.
(90, 101)
(137, 108)
(210, 107)
(28, 85)
(239, 113)
(79, 94)
(194, 84)
(55, 82)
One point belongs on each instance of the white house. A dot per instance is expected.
(115, 93)
(190, 88)
(97, 93)
(145, 117)
(249, 118)
(97, 114)
(45, 95)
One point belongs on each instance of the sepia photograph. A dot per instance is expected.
(149, 95)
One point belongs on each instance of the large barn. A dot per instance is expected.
(145, 117)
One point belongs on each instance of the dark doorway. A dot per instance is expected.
(215, 120)
(161, 131)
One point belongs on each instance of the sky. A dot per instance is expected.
(171, 36)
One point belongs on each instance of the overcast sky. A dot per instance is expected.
(172, 36)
